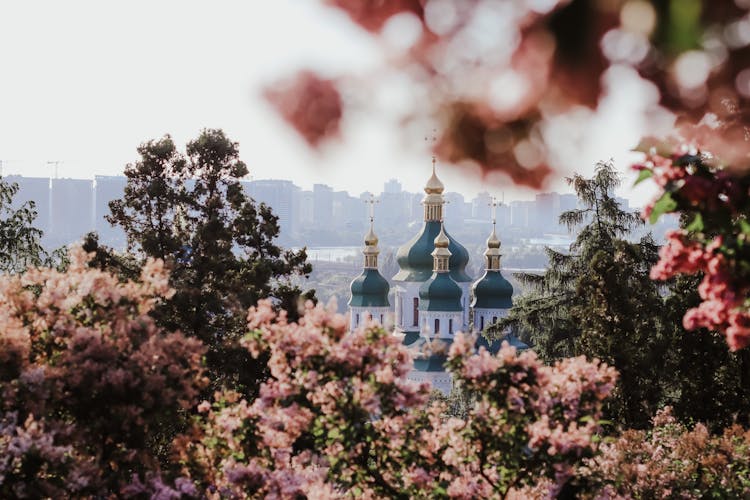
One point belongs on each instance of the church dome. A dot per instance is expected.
(440, 293)
(492, 291)
(415, 257)
(434, 185)
(371, 239)
(369, 289)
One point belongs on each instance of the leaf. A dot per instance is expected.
(663, 205)
(744, 226)
(643, 175)
(696, 226)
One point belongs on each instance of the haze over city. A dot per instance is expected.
(93, 82)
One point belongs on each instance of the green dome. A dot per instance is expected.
(369, 289)
(492, 291)
(440, 293)
(415, 257)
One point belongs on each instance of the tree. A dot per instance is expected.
(191, 210)
(20, 245)
(598, 301)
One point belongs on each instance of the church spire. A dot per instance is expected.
(492, 253)
(441, 255)
(433, 201)
(371, 249)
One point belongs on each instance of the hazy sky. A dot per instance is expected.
(84, 82)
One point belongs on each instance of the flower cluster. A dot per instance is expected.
(87, 380)
(339, 417)
(671, 461)
(691, 185)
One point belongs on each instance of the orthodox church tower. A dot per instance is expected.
(369, 290)
(440, 297)
(492, 292)
(415, 260)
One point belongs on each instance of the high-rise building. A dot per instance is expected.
(392, 186)
(34, 189)
(481, 208)
(520, 213)
(547, 211)
(108, 188)
(455, 212)
(347, 211)
(71, 210)
(322, 206)
(280, 196)
(305, 208)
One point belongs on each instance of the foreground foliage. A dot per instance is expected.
(672, 461)
(87, 381)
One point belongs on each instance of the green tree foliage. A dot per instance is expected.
(598, 301)
(191, 210)
(20, 245)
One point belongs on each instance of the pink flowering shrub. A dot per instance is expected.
(88, 381)
(671, 461)
(715, 243)
(338, 417)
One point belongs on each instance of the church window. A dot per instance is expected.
(437, 326)
(416, 311)
(481, 323)
(356, 321)
(450, 325)
(381, 319)
(494, 320)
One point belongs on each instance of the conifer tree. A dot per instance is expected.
(597, 300)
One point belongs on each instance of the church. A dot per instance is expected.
(433, 296)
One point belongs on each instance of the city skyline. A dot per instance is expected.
(323, 216)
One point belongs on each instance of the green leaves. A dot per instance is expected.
(663, 205)
(696, 226)
(643, 175)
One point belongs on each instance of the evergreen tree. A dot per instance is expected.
(597, 300)
(191, 210)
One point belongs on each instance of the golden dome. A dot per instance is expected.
(434, 186)
(371, 239)
(493, 241)
(441, 240)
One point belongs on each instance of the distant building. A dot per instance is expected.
(547, 211)
(519, 213)
(71, 210)
(322, 206)
(347, 211)
(108, 188)
(280, 196)
(34, 189)
(481, 206)
(456, 213)
(305, 208)
(392, 187)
